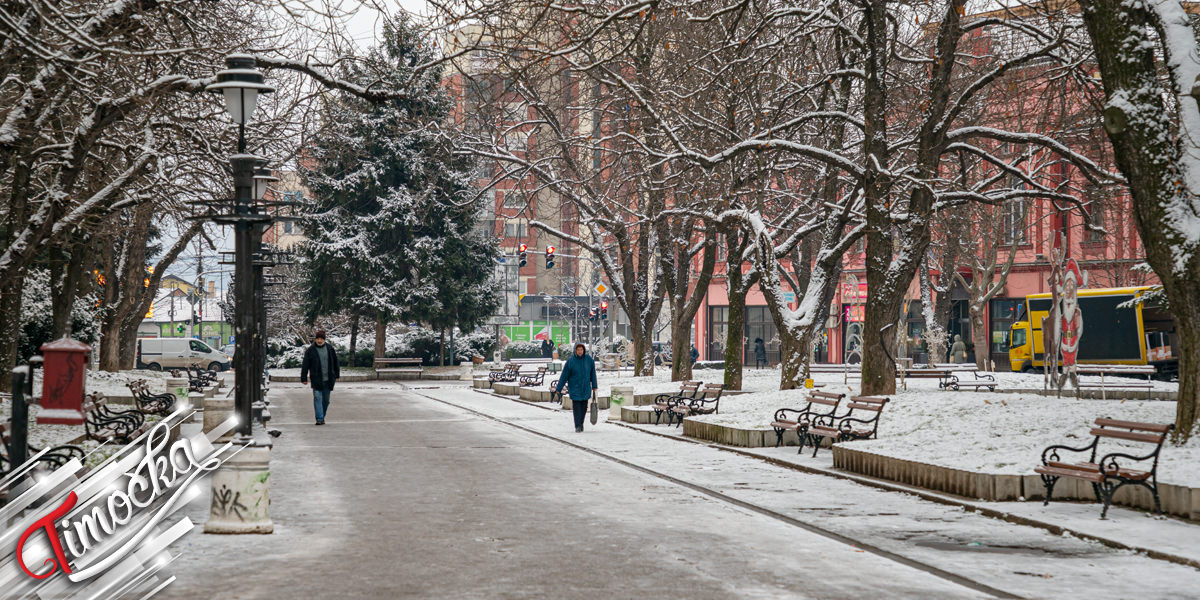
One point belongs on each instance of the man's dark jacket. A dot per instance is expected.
(311, 364)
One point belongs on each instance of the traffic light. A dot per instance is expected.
(604, 309)
(524, 256)
(549, 257)
(592, 314)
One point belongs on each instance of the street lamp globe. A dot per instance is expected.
(240, 83)
(262, 179)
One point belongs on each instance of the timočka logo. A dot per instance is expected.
(106, 534)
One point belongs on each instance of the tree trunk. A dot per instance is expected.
(442, 348)
(1151, 150)
(65, 292)
(641, 350)
(127, 353)
(736, 332)
(10, 321)
(353, 338)
(681, 349)
(879, 343)
(380, 336)
(110, 346)
(793, 357)
(979, 340)
(1187, 323)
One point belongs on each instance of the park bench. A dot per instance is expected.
(157, 404)
(986, 380)
(820, 404)
(56, 457)
(860, 425)
(663, 403)
(510, 373)
(1112, 471)
(1124, 371)
(403, 365)
(104, 424)
(942, 375)
(707, 402)
(535, 379)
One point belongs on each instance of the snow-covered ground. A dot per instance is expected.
(1002, 433)
(752, 380)
(114, 384)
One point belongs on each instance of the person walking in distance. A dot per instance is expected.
(321, 361)
(760, 353)
(579, 375)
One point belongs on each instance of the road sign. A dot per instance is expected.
(600, 289)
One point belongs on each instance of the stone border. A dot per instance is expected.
(1176, 500)
(348, 377)
(735, 436)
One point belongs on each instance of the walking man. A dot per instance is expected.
(320, 360)
(579, 375)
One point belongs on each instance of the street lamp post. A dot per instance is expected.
(245, 475)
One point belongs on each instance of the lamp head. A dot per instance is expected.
(240, 83)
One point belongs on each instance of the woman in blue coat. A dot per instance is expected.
(579, 375)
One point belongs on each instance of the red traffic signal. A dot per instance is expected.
(524, 247)
(549, 257)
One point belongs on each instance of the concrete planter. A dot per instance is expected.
(481, 383)
(1176, 500)
(632, 415)
(533, 394)
(506, 389)
(602, 401)
(730, 436)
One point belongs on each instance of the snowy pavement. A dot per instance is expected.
(1018, 559)
(404, 496)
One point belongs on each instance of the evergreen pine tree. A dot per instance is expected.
(392, 230)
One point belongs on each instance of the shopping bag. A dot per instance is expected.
(595, 408)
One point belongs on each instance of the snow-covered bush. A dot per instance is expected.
(37, 315)
(523, 350)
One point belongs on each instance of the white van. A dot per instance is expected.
(157, 354)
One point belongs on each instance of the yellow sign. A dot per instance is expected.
(600, 289)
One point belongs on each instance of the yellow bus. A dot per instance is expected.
(1138, 333)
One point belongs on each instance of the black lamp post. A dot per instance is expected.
(240, 84)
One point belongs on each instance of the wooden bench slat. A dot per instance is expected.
(1149, 438)
(858, 406)
(1094, 477)
(1155, 427)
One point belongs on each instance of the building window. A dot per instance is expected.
(1015, 221)
(1099, 221)
(514, 229)
(514, 199)
(287, 226)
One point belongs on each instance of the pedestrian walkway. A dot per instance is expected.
(404, 496)
(1022, 560)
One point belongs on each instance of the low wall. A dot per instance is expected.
(1176, 500)
(481, 383)
(345, 378)
(506, 389)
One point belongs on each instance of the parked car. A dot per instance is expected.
(157, 354)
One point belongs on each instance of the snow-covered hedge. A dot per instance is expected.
(37, 314)
(414, 342)
(523, 350)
